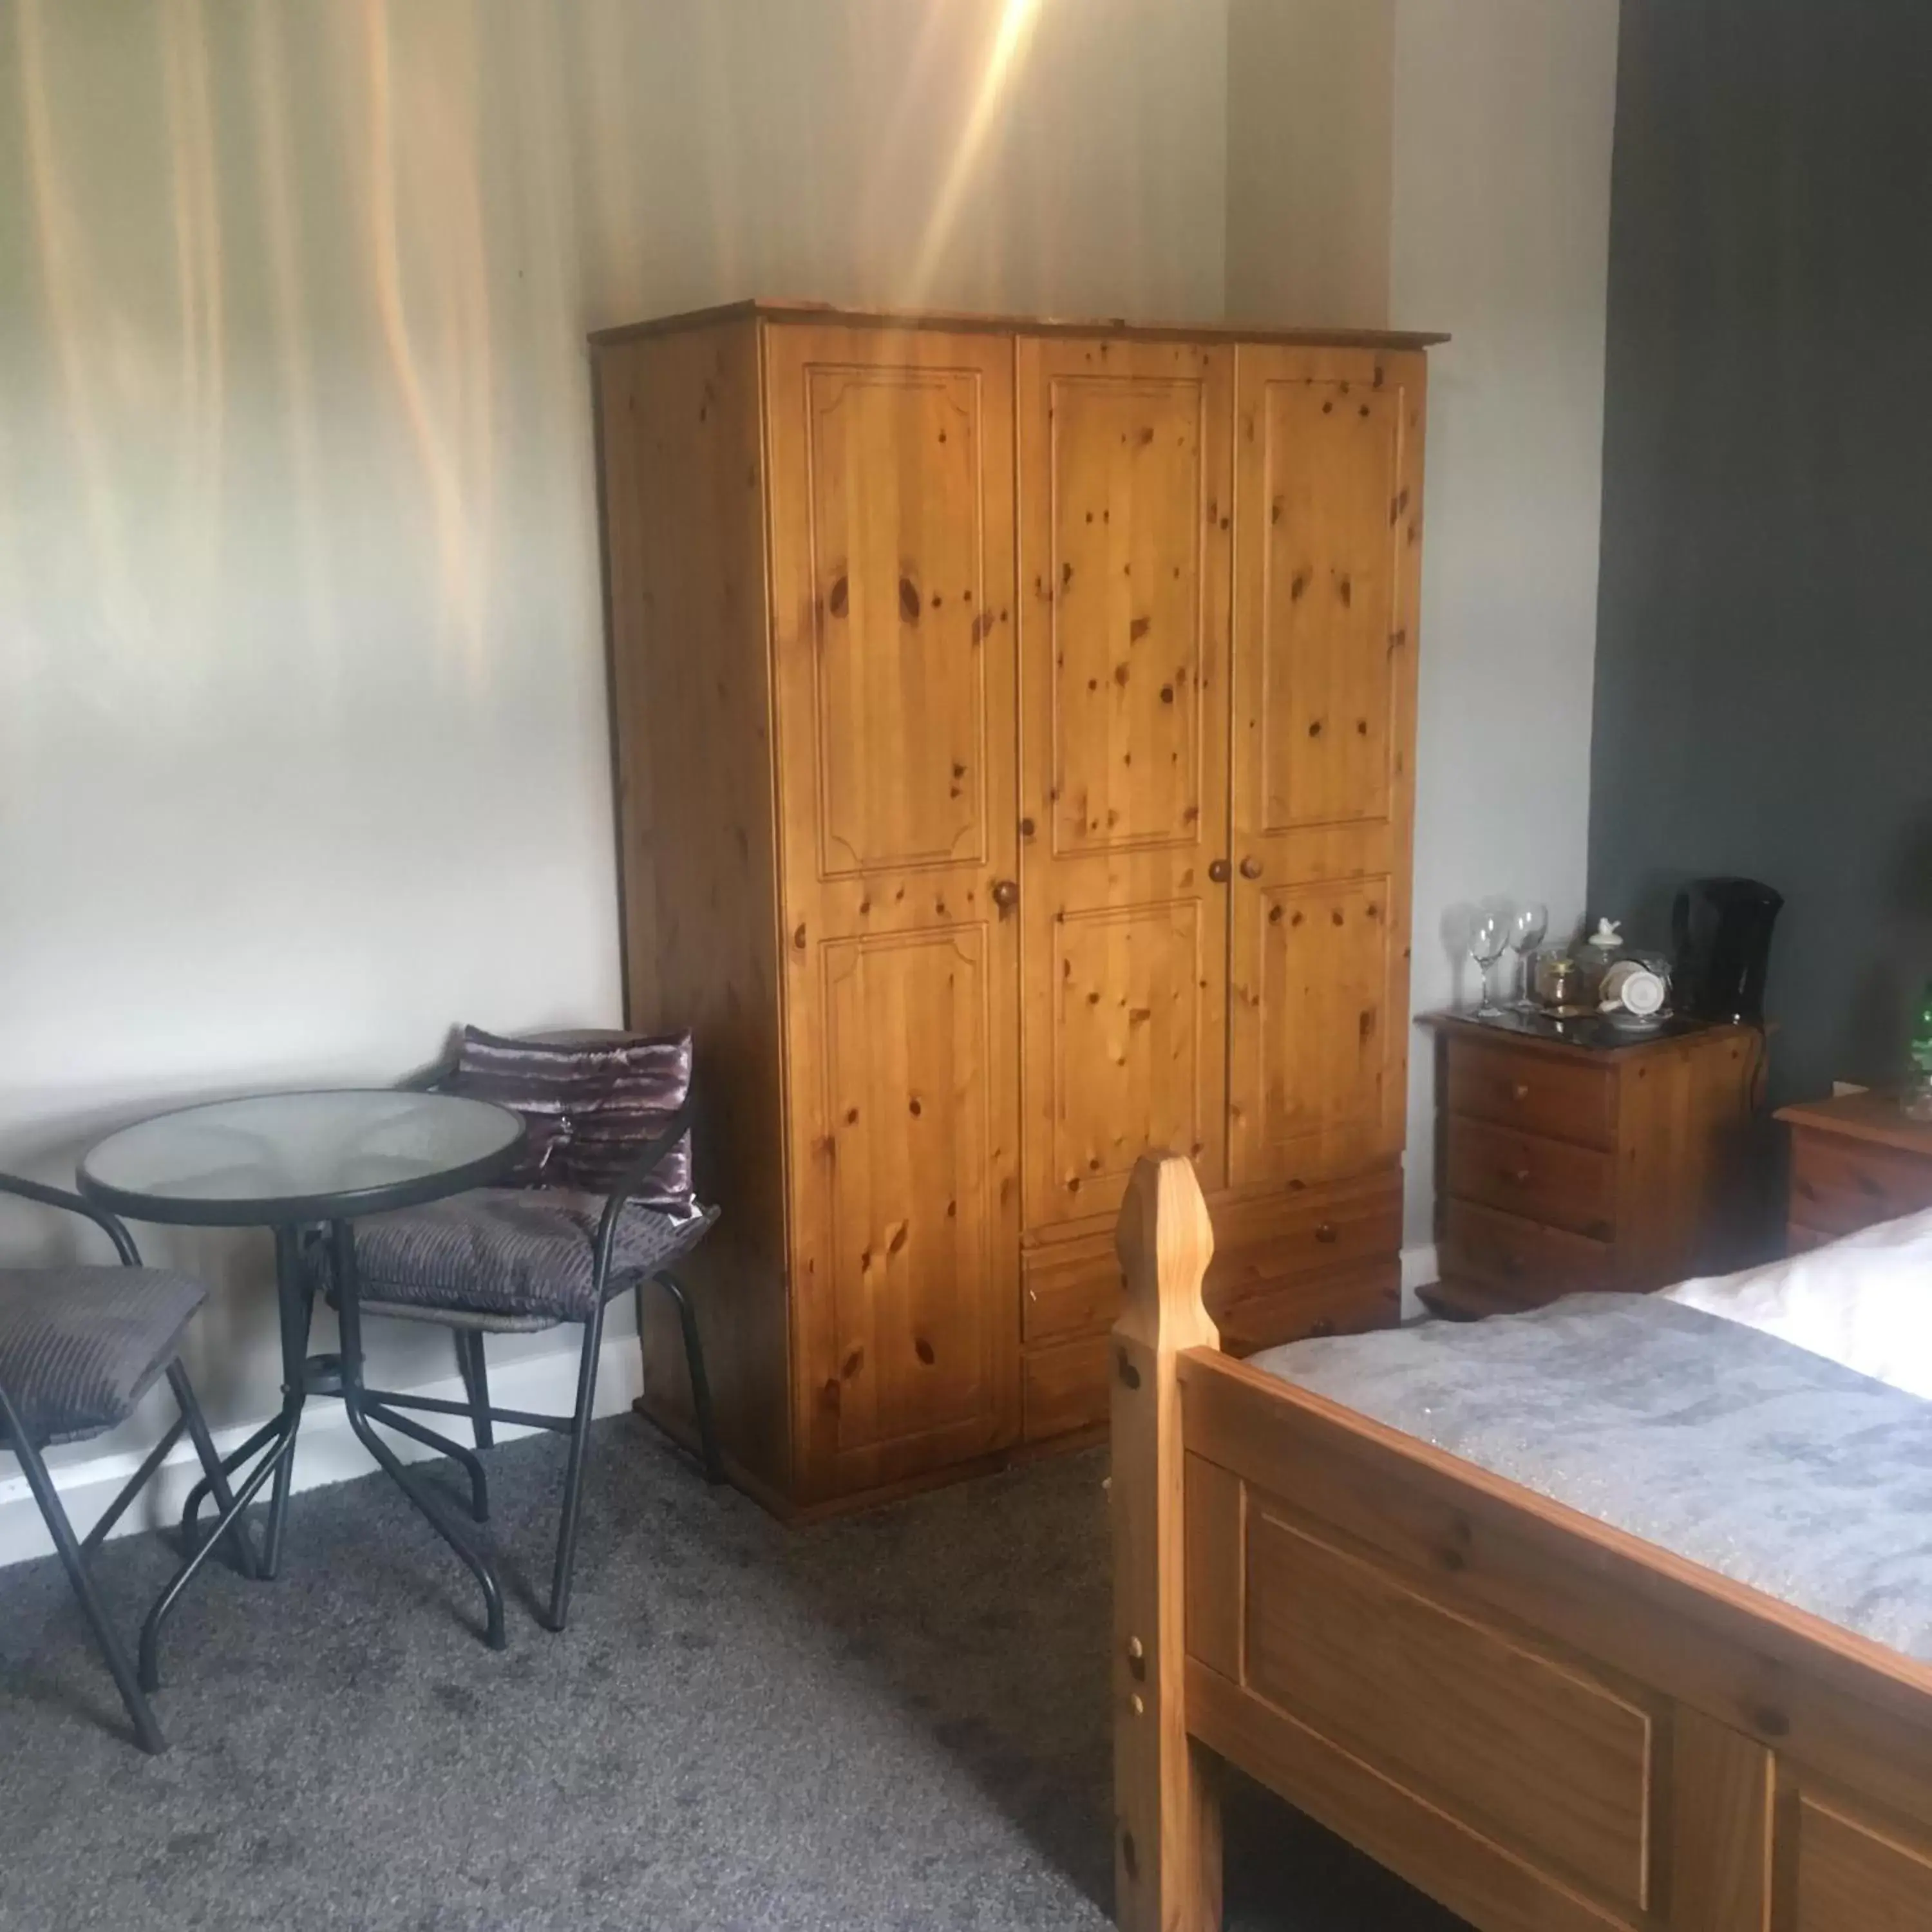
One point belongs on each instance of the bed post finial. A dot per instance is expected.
(1167, 1831)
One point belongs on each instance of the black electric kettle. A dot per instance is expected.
(1721, 930)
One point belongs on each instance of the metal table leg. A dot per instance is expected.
(273, 1463)
(349, 1300)
(295, 1298)
(277, 1440)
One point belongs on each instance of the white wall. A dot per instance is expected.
(1311, 160)
(1500, 234)
(302, 738)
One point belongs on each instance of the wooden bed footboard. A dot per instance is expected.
(1548, 1725)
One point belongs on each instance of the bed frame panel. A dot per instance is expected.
(1542, 1722)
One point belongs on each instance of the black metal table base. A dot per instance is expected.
(340, 1376)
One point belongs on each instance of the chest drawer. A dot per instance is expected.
(1538, 1093)
(1840, 1185)
(1529, 1263)
(1554, 1182)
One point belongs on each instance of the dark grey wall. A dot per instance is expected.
(1764, 677)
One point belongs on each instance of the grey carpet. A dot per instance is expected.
(895, 1721)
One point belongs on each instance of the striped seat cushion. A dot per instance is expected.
(515, 1252)
(80, 1346)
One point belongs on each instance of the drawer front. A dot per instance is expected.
(1537, 1092)
(1260, 1245)
(1068, 1289)
(1064, 1388)
(1840, 1185)
(1555, 1182)
(1073, 1287)
(1351, 1302)
(1800, 1240)
(1529, 1263)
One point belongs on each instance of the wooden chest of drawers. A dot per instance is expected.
(1562, 1167)
(1854, 1161)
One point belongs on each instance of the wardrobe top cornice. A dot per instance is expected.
(809, 312)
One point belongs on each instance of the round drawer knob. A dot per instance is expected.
(1521, 1177)
(1251, 868)
(1326, 1233)
(1520, 1091)
(1324, 1326)
(1219, 871)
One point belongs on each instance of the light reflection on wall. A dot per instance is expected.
(302, 746)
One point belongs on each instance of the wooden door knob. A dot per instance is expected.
(1326, 1233)
(1006, 894)
(1219, 871)
(1251, 867)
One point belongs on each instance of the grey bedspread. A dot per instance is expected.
(1757, 1459)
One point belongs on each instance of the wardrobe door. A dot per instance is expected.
(892, 567)
(1126, 486)
(1328, 497)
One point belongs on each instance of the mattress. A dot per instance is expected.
(1762, 1461)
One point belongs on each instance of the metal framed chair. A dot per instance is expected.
(80, 1347)
(515, 1261)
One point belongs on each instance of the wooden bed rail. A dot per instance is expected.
(1167, 1838)
(1543, 1722)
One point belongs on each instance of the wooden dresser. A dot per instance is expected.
(1014, 727)
(1854, 1161)
(1562, 1167)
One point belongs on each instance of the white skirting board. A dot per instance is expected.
(540, 1384)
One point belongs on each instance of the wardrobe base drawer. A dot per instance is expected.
(1072, 1286)
(1350, 1302)
(1064, 1388)
(1069, 1288)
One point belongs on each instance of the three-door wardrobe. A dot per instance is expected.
(1014, 728)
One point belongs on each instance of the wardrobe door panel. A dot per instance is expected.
(913, 1196)
(1328, 521)
(1126, 479)
(892, 566)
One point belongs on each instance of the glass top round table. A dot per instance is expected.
(275, 1160)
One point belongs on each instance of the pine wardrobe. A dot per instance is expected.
(1013, 725)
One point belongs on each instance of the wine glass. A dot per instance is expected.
(1488, 935)
(1527, 929)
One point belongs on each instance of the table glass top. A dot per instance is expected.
(267, 1156)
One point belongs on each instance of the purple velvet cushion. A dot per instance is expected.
(590, 1103)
